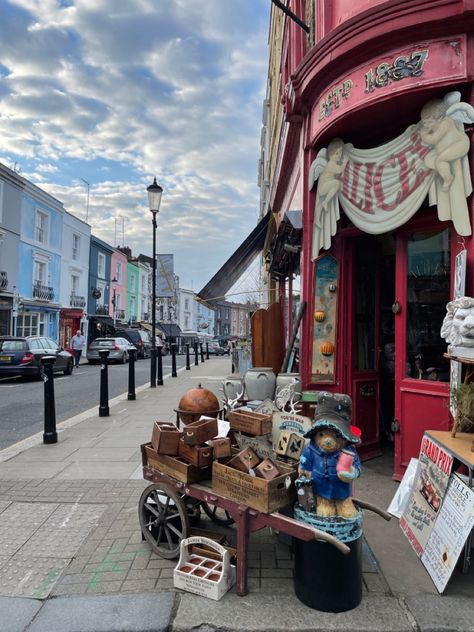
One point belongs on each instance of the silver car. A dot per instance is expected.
(119, 350)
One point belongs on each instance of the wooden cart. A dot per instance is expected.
(166, 504)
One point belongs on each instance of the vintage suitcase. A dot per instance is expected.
(198, 432)
(250, 422)
(165, 438)
(198, 455)
(221, 447)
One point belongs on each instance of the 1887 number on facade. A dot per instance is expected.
(403, 67)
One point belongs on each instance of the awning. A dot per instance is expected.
(170, 329)
(236, 265)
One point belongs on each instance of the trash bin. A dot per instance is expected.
(324, 578)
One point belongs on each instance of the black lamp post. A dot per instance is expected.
(154, 199)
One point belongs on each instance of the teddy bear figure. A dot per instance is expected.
(330, 461)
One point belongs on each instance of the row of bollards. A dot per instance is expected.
(50, 434)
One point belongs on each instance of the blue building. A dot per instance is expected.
(99, 321)
(39, 263)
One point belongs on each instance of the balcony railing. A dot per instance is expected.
(120, 314)
(3, 280)
(77, 301)
(102, 310)
(43, 292)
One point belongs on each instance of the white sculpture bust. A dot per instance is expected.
(458, 325)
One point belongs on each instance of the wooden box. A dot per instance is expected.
(244, 460)
(290, 444)
(253, 491)
(165, 438)
(198, 432)
(174, 466)
(250, 422)
(221, 447)
(267, 469)
(198, 455)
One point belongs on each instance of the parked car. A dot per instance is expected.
(216, 349)
(118, 347)
(22, 356)
(139, 339)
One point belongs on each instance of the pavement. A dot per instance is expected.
(72, 557)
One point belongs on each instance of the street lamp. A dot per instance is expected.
(154, 199)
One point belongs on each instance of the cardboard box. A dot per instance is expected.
(165, 438)
(174, 466)
(255, 492)
(252, 423)
(201, 574)
(200, 431)
(198, 455)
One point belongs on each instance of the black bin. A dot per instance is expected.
(326, 579)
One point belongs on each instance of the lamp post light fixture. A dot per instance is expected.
(154, 200)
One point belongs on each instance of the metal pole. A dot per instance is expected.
(196, 360)
(50, 435)
(202, 351)
(207, 351)
(104, 383)
(188, 366)
(131, 375)
(160, 365)
(291, 15)
(153, 311)
(173, 360)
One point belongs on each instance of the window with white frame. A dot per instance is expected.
(76, 242)
(1, 201)
(144, 284)
(186, 304)
(40, 271)
(31, 324)
(101, 265)
(118, 271)
(132, 283)
(143, 305)
(132, 307)
(118, 302)
(41, 227)
(101, 288)
(74, 283)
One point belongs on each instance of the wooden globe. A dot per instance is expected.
(319, 315)
(327, 348)
(196, 402)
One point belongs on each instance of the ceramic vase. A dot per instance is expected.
(260, 383)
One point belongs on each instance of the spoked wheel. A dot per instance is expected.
(163, 519)
(217, 514)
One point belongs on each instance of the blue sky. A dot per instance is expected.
(116, 92)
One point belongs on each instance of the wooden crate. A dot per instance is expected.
(165, 438)
(257, 493)
(221, 447)
(198, 432)
(174, 466)
(198, 455)
(244, 460)
(250, 422)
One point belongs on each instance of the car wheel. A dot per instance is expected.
(69, 367)
(124, 358)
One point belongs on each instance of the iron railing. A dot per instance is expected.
(77, 301)
(42, 292)
(119, 313)
(102, 310)
(3, 280)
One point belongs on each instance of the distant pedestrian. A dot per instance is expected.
(77, 345)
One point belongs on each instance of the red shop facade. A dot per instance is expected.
(387, 209)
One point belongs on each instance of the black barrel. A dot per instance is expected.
(324, 578)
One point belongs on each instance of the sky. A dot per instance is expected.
(117, 92)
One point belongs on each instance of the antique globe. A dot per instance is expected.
(196, 402)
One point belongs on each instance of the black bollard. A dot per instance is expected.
(196, 360)
(173, 361)
(104, 383)
(160, 366)
(188, 365)
(131, 375)
(49, 435)
(153, 366)
(202, 351)
(207, 351)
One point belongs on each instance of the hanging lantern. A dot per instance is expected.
(327, 348)
(319, 315)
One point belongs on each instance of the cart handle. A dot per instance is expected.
(365, 505)
(302, 530)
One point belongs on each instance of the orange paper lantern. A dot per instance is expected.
(319, 315)
(327, 348)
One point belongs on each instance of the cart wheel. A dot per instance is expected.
(163, 519)
(217, 514)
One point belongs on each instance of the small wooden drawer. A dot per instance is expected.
(290, 444)
(267, 469)
(244, 460)
(165, 438)
(221, 447)
(200, 431)
(198, 455)
(252, 423)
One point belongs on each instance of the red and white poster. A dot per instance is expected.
(429, 489)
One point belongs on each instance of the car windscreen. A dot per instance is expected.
(13, 345)
(103, 343)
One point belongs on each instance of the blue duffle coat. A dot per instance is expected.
(322, 466)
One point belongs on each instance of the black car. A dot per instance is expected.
(140, 340)
(22, 355)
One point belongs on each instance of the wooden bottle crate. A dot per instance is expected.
(267, 469)
(244, 460)
(252, 423)
(221, 447)
(174, 466)
(165, 438)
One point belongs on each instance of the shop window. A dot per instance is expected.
(428, 292)
(31, 324)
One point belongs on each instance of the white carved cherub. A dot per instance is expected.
(458, 324)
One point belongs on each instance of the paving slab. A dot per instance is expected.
(284, 612)
(97, 470)
(442, 614)
(17, 613)
(125, 613)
